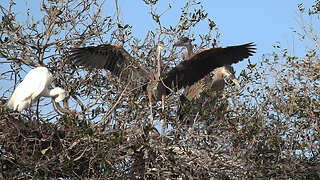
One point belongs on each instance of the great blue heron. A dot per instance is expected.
(120, 63)
(35, 84)
(216, 83)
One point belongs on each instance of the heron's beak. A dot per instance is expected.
(179, 43)
(235, 81)
(176, 44)
(232, 77)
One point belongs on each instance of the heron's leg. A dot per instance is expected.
(162, 102)
(150, 104)
(163, 121)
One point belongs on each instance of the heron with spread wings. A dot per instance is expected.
(119, 62)
(216, 83)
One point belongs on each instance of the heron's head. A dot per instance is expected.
(184, 41)
(229, 72)
(160, 46)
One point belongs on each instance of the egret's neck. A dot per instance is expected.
(60, 93)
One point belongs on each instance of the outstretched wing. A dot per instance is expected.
(110, 57)
(196, 67)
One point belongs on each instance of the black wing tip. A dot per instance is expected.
(105, 56)
(78, 56)
(251, 45)
(92, 48)
(251, 48)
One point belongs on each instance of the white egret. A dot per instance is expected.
(35, 84)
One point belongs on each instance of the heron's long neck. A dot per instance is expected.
(158, 64)
(218, 81)
(189, 49)
(57, 92)
(219, 74)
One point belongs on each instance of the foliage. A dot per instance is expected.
(267, 129)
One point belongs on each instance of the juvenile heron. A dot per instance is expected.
(120, 63)
(216, 83)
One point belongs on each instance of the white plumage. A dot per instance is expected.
(35, 84)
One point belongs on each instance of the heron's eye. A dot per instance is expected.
(155, 85)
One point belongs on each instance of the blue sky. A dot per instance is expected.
(261, 21)
(264, 22)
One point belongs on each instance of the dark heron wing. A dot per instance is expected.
(196, 67)
(110, 57)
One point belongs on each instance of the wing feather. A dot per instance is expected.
(110, 57)
(196, 67)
